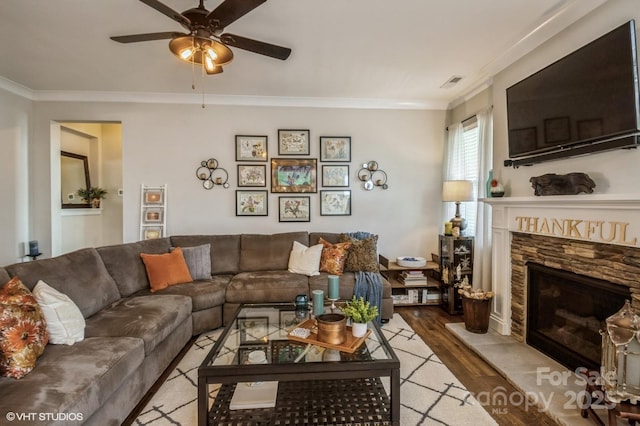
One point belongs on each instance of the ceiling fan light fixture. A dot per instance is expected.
(200, 49)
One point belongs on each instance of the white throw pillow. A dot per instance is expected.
(305, 260)
(65, 322)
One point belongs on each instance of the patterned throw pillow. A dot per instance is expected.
(333, 257)
(363, 254)
(23, 330)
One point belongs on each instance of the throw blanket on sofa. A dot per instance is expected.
(368, 284)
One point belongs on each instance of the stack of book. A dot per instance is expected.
(413, 278)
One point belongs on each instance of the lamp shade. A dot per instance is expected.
(457, 190)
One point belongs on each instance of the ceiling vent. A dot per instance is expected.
(451, 82)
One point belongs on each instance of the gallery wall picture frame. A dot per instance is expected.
(252, 148)
(152, 215)
(252, 175)
(252, 203)
(294, 209)
(557, 130)
(335, 203)
(335, 175)
(293, 142)
(335, 148)
(294, 174)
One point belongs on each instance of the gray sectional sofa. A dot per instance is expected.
(131, 334)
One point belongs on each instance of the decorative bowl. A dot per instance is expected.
(411, 261)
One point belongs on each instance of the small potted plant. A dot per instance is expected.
(92, 195)
(360, 312)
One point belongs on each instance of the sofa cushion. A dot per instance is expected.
(65, 322)
(198, 260)
(347, 283)
(81, 275)
(150, 318)
(166, 269)
(305, 260)
(125, 265)
(268, 252)
(23, 330)
(74, 379)
(204, 294)
(266, 287)
(225, 250)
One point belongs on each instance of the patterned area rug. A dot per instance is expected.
(430, 394)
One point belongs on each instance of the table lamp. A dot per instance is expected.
(457, 191)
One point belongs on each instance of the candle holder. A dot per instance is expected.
(333, 304)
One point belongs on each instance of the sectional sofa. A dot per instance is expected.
(132, 334)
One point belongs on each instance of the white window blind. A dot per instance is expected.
(464, 166)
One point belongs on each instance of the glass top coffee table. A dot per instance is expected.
(316, 385)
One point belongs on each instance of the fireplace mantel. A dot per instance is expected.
(599, 218)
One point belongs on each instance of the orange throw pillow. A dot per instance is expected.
(166, 269)
(333, 256)
(23, 330)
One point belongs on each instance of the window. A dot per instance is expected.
(463, 165)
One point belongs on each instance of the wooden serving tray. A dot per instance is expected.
(349, 345)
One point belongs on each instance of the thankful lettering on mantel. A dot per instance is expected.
(591, 230)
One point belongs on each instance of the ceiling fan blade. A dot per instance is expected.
(166, 10)
(230, 10)
(256, 46)
(134, 38)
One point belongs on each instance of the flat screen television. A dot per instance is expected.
(583, 103)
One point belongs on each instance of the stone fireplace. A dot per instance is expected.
(596, 237)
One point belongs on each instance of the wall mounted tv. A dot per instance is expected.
(583, 103)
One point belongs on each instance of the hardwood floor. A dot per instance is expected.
(472, 371)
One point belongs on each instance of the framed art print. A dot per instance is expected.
(153, 196)
(335, 148)
(152, 233)
(335, 175)
(335, 203)
(293, 174)
(293, 142)
(294, 209)
(251, 148)
(252, 175)
(251, 203)
(152, 215)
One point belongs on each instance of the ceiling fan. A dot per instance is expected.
(205, 43)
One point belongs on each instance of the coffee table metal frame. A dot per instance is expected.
(291, 372)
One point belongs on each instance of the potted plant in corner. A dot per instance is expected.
(360, 312)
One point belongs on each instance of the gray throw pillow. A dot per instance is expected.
(198, 261)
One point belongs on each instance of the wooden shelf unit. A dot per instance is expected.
(392, 272)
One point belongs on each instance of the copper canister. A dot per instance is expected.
(332, 328)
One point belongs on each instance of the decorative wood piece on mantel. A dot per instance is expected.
(569, 184)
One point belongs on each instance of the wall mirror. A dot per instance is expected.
(74, 170)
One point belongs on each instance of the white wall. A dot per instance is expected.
(15, 118)
(164, 143)
(613, 172)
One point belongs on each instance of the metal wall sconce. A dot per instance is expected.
(372, 176)
(211, 175)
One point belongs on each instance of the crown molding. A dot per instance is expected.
(212, 99)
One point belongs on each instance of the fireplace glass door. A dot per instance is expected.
(566, 312)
